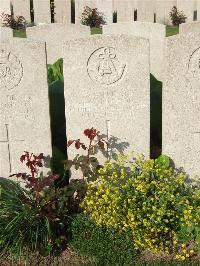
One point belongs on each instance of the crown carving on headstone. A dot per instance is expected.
(3, 56)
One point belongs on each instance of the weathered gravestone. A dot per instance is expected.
(146, 10)
(4, 8)
(181, 102)
(125, 10)
(24, 105)
(163, 9)
(154, 32)
(22, 8)
(79, 8)
(62, 11)
(42, 13)
(105, 7)
(54, 35)
(107, 79)
(189, 27)
(187, 7)
(6, 33)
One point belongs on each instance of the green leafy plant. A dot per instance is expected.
(177, 17)
(93, 18)
(104, 245)
(35, 218)
(88, 164)
(55, 72)
(146, 197)
(18, 23)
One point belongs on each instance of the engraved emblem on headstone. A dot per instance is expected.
(194, 63)
(11, 70)
(105, 67)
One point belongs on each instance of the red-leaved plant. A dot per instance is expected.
(35, 181)
(88, 163)
(49, 207)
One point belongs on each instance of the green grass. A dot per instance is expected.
(96, 31)
(172, 30)
(19, 33)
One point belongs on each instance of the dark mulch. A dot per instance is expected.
(67, 258)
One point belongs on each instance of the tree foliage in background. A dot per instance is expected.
(55, 72)
(92, 17)
(177, 17)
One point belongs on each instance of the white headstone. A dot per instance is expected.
(62, 11)
(181, 98)
(189, 27)
(125, 10)
(4, 8)
(154, 32)
(187, 7)
(79, 8)
(163, 9)
(107, 78)
(42, 12)
(22, 8)
(6, 33)
(24, 105)
(146, 10)
(54, 35)
(106, 7)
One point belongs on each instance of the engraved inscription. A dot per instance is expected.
(11, 70)
(12, 108)
(104, 66)
(194, 63)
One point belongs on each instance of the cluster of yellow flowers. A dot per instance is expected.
(145, 197)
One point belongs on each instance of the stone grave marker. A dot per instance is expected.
(181, 102)
(22, 8)
(42, 12)
(106, 7)
(163, 9)
(6, 33)
(154, 32)
(187, 7)
(125, 10)
(4, 8)
(146, 10)
(24, 105)
(107, 80)
(54, 35)
(62, 11)
(189, 27)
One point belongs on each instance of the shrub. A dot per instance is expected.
(18, 23)
(177, 17)
(146, 197)
(88, 163)
(105, 245)
(93, 18)
(35, 218)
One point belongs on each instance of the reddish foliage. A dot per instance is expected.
(96, 141)
(34, 162)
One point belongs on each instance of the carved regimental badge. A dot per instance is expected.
(11, 70)
(104, 66)
(194, 63)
